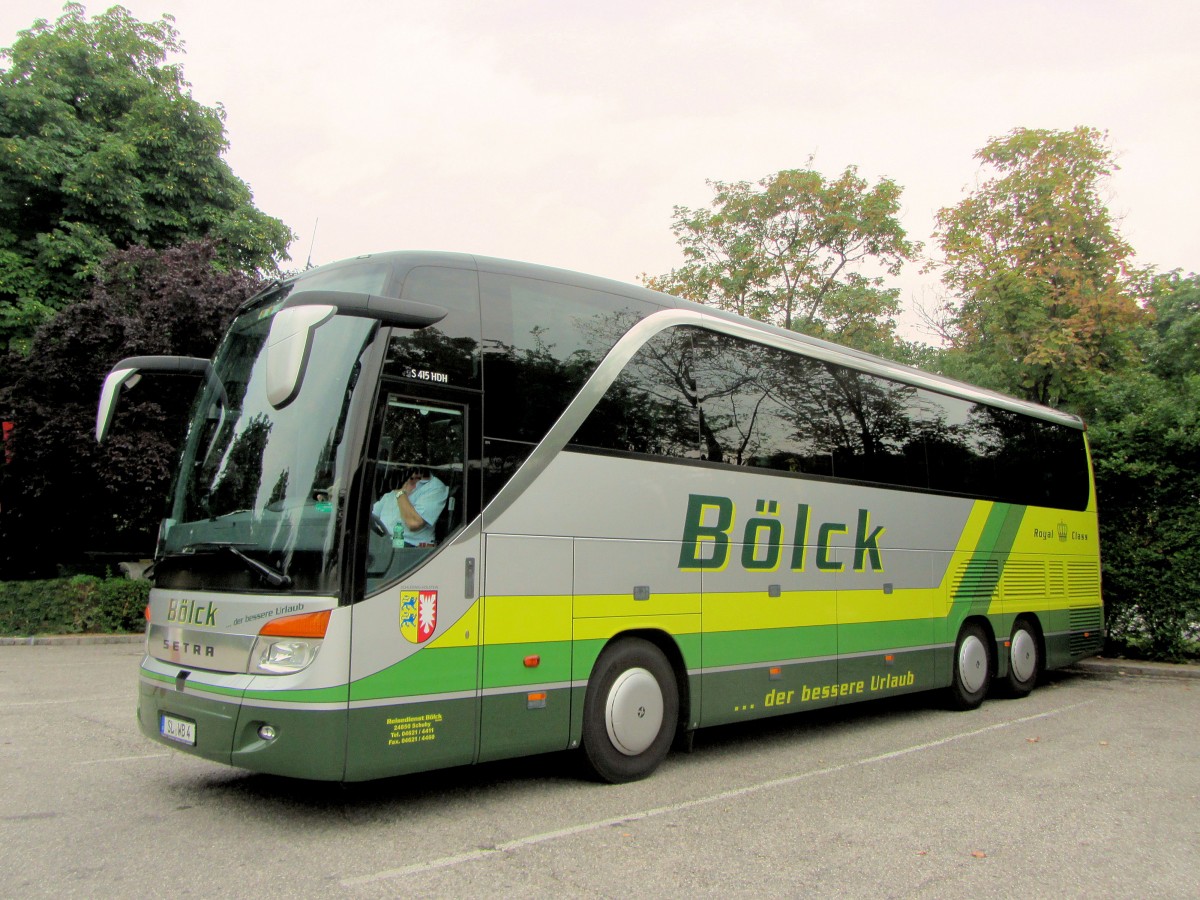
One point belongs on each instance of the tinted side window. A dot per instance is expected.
(446, 353)
(1065, 457)
(864, 423)
(988, 452)
(691, 393)
(772, 409)
(543, 340)
(652, 407)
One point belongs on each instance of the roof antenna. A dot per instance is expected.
(308, 265)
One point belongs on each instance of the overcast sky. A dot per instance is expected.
(565, 132)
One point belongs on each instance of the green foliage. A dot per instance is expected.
(798, 251)
(102, 147)
(1175, 304)
(81, 605)
(1045, 299)
(1146, 450)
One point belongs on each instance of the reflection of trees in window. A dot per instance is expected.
(241, 470)
(691, 392)
(429, 352)
(414, 437)
(736, 382)
(868, 426)
(279, 489)
(765, 407)
(651, 406)
(451, 347)
(531, 380)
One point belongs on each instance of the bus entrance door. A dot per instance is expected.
(414, 697)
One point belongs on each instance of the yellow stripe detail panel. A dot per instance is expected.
(604, 628)
(526, 620)
(855, 607)
(461, 633)
(792, 609)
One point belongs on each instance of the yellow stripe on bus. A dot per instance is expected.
(792, 609)
(604, 628)
(526, 620)
(856, 607)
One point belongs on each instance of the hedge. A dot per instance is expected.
(83, 604)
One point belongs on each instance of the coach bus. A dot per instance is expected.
(436, 509)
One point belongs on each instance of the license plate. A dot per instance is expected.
(181, 730)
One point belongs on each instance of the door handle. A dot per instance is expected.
(469, 587)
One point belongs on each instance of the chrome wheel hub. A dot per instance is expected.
(633, 712)
(972, 663)
(1023, 655)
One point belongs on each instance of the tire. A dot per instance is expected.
(972, 668)
(630, 712)
(1024, 658)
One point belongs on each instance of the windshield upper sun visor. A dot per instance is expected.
(387, 310)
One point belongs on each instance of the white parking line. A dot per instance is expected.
(534, 839)
(117, 759)
(14, 705)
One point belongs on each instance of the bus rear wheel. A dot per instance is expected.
(1024, 658)
(630, 712)
(972, 668)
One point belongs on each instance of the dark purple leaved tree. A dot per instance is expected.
(64, 500)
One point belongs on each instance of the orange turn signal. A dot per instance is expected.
(305, 625)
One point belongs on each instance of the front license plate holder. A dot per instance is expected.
(173, 728)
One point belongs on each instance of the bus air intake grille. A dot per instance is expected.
(1056, 579)
(1087, 634)
(1024, 580)
(1083, 579)
(976, 580)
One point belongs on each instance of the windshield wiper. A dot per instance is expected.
(273, 576)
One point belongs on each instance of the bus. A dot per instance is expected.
(435, 509)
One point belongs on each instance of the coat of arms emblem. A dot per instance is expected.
(418, 615)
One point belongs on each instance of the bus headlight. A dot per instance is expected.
(288, 644)
(280, 656)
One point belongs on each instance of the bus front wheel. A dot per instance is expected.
(972, 668)
(630, 712)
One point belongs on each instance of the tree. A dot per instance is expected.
(62, 494)
(1146, 450)
(103, 147)
(1044, 294)
(798, 251)
(1175, 304)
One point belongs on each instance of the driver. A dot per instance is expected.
(417, 503)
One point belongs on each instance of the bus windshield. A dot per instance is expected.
(256, 495)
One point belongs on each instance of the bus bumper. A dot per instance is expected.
(306, 744)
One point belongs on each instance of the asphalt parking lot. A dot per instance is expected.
(1089, 787)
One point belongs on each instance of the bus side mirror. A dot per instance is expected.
(289, 344)
(127, 373)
